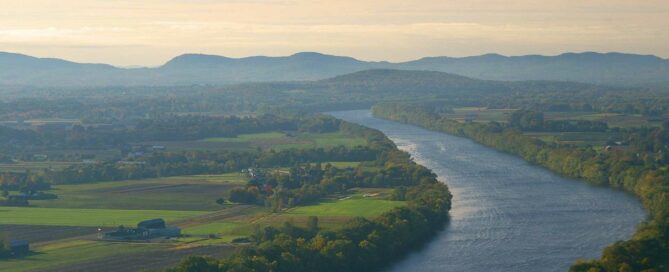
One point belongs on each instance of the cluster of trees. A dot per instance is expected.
(158, 128)
(4, 249)
(528, 120)
(639, 169)
(30, 186)
(305, 184)
(362, 245)
(163, 164)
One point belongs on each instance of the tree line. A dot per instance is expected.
(638, 169)
(361, 245)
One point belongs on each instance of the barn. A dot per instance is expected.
(19, 247)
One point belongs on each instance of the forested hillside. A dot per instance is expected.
(195, 69)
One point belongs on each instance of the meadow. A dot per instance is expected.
(266, 140)
(86, 217)
(614, 120)
(184, 193)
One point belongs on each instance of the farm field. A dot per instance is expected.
(151, 259)
(186, 193)
(344, 164)
(369, 202)
(69, 230)
(41, 233)
(352, 207)
(577, 138)
(267, 140)
(86, 217)
(477, 114)
(34, 166)
(614, 120)
(59, 254)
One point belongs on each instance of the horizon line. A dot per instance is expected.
(139, 66)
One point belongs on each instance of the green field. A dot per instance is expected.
(188, 193)
(63, 253)
(86, 217)
(224, 231)
(279, 140)
(267, 136)
(345, 164)
(480, 114)
(34, 166)
(576, 138)
(352, 207)
(267, 140)
(612, 119)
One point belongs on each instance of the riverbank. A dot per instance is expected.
(647, 249)
(507, 214)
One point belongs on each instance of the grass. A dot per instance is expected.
(225, 231)
(85, 217)
(480, 114)
(322, 140)
(352, 207)
(34, 166)
(185, 193)
(68, 252)
(345, 164)
(249, 137)
(576, 138)
(612, 119)
(267, 140)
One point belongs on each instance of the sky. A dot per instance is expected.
(150, 32)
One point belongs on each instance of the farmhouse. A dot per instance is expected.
(147, 229)
(19, 247)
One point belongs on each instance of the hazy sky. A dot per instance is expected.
(149, 32)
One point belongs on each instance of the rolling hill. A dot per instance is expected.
(197, 69)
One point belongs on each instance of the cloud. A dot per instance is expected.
(380, 30)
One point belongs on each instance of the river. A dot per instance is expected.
(507, 215)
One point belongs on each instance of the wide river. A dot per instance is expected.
(507, 215)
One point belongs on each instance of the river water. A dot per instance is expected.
(507, 215)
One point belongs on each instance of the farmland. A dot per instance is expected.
(267, 140)
(85, 217)
(169, 193)
(33, 166)
(60, 229)
(614, 120)
(60, 254)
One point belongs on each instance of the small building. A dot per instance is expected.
(19, 247)
(158, 147)
(146, 230)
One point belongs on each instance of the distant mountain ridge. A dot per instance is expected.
(597, 68)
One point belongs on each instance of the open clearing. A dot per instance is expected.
(620, 120)
(39, 233)
(34, 166)
(186, 193)
(59, 254)
(267, 140)
(150, 259)
(348, 207)
(85, 217)
(576, 138)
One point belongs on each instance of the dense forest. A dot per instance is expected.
(638, 169)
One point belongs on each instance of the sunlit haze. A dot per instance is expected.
(151, 32)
